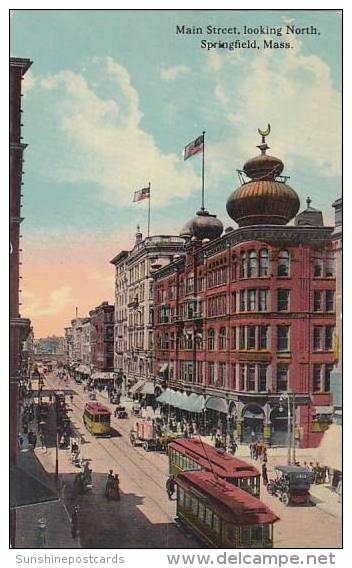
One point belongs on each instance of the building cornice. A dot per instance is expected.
(21, 62)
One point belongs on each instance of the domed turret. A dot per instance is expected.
(203, 226)
(310, 216)
(265, 199)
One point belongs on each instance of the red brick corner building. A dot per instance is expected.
(245, 322)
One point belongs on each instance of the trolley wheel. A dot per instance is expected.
(146, 446)
(285, 498)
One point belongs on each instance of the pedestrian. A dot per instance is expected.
(34, 440)
(74, 522)
(20, 441)
(42, 440)
(265, 474)
(116, 488)
(170, 487)
(109, 484)
(253, 436)
(71, 398)
(213, 434)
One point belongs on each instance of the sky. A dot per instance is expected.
(110, 102)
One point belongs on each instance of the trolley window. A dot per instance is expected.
(105, 418)
(201, 511)
(208, 517)
(181, 495)
(194, 506)
(245, 535)
(216, 524)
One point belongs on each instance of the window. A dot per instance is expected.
(283, 332)
(242, 339)
(211, 340)
(251, 300)
(330, 301)
(233, 375)
(329, 337)
(318, 266)
(234, 268)
(211, 373)
(262, 378)
(317, 301)
(233, 338)
(317, 338)
(242, 300)
(251, 335)
(233, 302)
(263, 262)
(330, 265)
(222, 339)
(317, 378)
(208, 517)
(283, 299)
(283, 263)
(222, 374)
(327, 374)
(252, 264)
(242, 377)
(263, 336)
(282, 377)
(251, 378)
(243, 265)
(263, 300)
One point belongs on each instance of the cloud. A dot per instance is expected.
(99, 139)
(52, 305)
(172, 73)
(295, 93)
(28, 82)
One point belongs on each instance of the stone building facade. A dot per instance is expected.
(134, 302)
(102, 337)
(246, 322)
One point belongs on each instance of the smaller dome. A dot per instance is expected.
(310, 216)
(203, 226)
(263, 167)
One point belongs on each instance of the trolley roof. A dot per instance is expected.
(222, 463)
(97, 408)
(230, 502)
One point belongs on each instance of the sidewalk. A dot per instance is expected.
(326, 499)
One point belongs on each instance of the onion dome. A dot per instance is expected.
(203, 226)
(310, 216)
(266, 199)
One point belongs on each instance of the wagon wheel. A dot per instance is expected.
(270, 488)
(146, 446)
(285, 498)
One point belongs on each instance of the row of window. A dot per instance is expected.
(251, 377)
(248, 300)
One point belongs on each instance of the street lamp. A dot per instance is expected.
(291, 425)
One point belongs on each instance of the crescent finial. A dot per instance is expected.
(265, 132)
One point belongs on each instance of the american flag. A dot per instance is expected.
(141, 194)
(194, 147)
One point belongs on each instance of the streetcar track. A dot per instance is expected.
(124, 468)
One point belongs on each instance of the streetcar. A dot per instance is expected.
(222, 515)
(192, 454)
(96, 418)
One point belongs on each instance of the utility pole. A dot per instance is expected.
(289, 431)
(293, 429)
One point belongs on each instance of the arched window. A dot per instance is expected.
(222, 339)
(252, 266)
(211, 340)
(283, 263)
(264, 262)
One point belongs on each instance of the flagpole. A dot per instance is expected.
(202, 208)
(149, 212)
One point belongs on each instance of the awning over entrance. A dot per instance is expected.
(217, 403)
(103, 376)
(83, 369)
(324, 409)
(177, 399)
(136, 387)
(329, 452)
(249, 414)
(163, 368)
(147, 388)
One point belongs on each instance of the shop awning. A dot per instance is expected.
(329, 453)
(196, 402)
(163, 368)
(83, 369)
(103, 376)
(324, 409)
(147, 388)
(164, 397)
(191, 403)
(217, 403)
(249, 414)
(136, 387)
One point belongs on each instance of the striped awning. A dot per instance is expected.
(103, 376)
(136, 387)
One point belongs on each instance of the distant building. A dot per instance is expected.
(134, 302)
(336, 375)
(102, 337)
(51, 345)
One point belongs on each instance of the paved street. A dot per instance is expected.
(144, 517)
